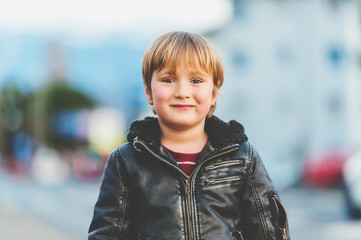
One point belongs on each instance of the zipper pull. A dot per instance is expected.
(284, 234)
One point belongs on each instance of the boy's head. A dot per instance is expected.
(185, 49)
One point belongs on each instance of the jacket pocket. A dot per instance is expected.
(223, 164)
(279, 217)
(212, 181)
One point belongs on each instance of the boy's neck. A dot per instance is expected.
(184, 140)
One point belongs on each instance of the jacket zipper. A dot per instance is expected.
(160, 158)
(228, 179)
(283, 229)
(210, 158)
(223, 164)
(189, 206)
(188, 182)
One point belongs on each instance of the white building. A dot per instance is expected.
(292, 78)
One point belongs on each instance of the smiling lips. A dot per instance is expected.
(182, 106)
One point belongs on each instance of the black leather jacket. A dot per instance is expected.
(229, 195)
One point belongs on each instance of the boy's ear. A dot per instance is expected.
(148, 94)
(214, 96)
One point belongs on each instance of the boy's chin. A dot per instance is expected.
(183, 123)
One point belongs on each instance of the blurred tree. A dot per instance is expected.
(46, 103)
(28, 120)
(64, 98)
(12, 107)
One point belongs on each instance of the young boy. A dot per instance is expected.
(186, 174)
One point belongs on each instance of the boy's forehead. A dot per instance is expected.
(190, 69)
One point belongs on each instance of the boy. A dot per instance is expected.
(186, 174)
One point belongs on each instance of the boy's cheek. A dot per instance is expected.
(161, 95)
(203, 96)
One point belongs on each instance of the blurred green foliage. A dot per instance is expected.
(63, 98)
(33, 113)
(12, 110)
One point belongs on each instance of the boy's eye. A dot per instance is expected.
(168, 80)
(196, 80)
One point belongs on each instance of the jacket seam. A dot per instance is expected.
(257, 199)
(117, 152)
(122, 207)
(121, 214)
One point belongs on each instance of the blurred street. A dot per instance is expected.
(319, 215)
(34, 212)
(29, 211)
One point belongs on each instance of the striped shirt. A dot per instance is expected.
(186, 161)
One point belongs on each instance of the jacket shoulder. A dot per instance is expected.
(123, 153)
(245, 151)
(248, 153)
(124, 148)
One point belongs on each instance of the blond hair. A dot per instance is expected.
(176, 48)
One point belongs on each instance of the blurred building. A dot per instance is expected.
(293, 78)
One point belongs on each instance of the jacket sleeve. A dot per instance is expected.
(265, 217)
(111, 218)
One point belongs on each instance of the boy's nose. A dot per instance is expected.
(182, 90)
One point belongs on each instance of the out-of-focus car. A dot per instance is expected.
(324, 168)
(352, 185)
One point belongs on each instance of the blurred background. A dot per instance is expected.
(70, 85)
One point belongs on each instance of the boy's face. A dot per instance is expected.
(182, 99)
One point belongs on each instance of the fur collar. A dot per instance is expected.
(220, 133)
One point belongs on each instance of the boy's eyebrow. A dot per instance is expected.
(164, 70)
(168, 73)
(191, 72)
(198, 73)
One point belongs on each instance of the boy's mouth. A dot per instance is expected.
(182, 106)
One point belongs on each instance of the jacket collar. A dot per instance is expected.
(220, 133)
